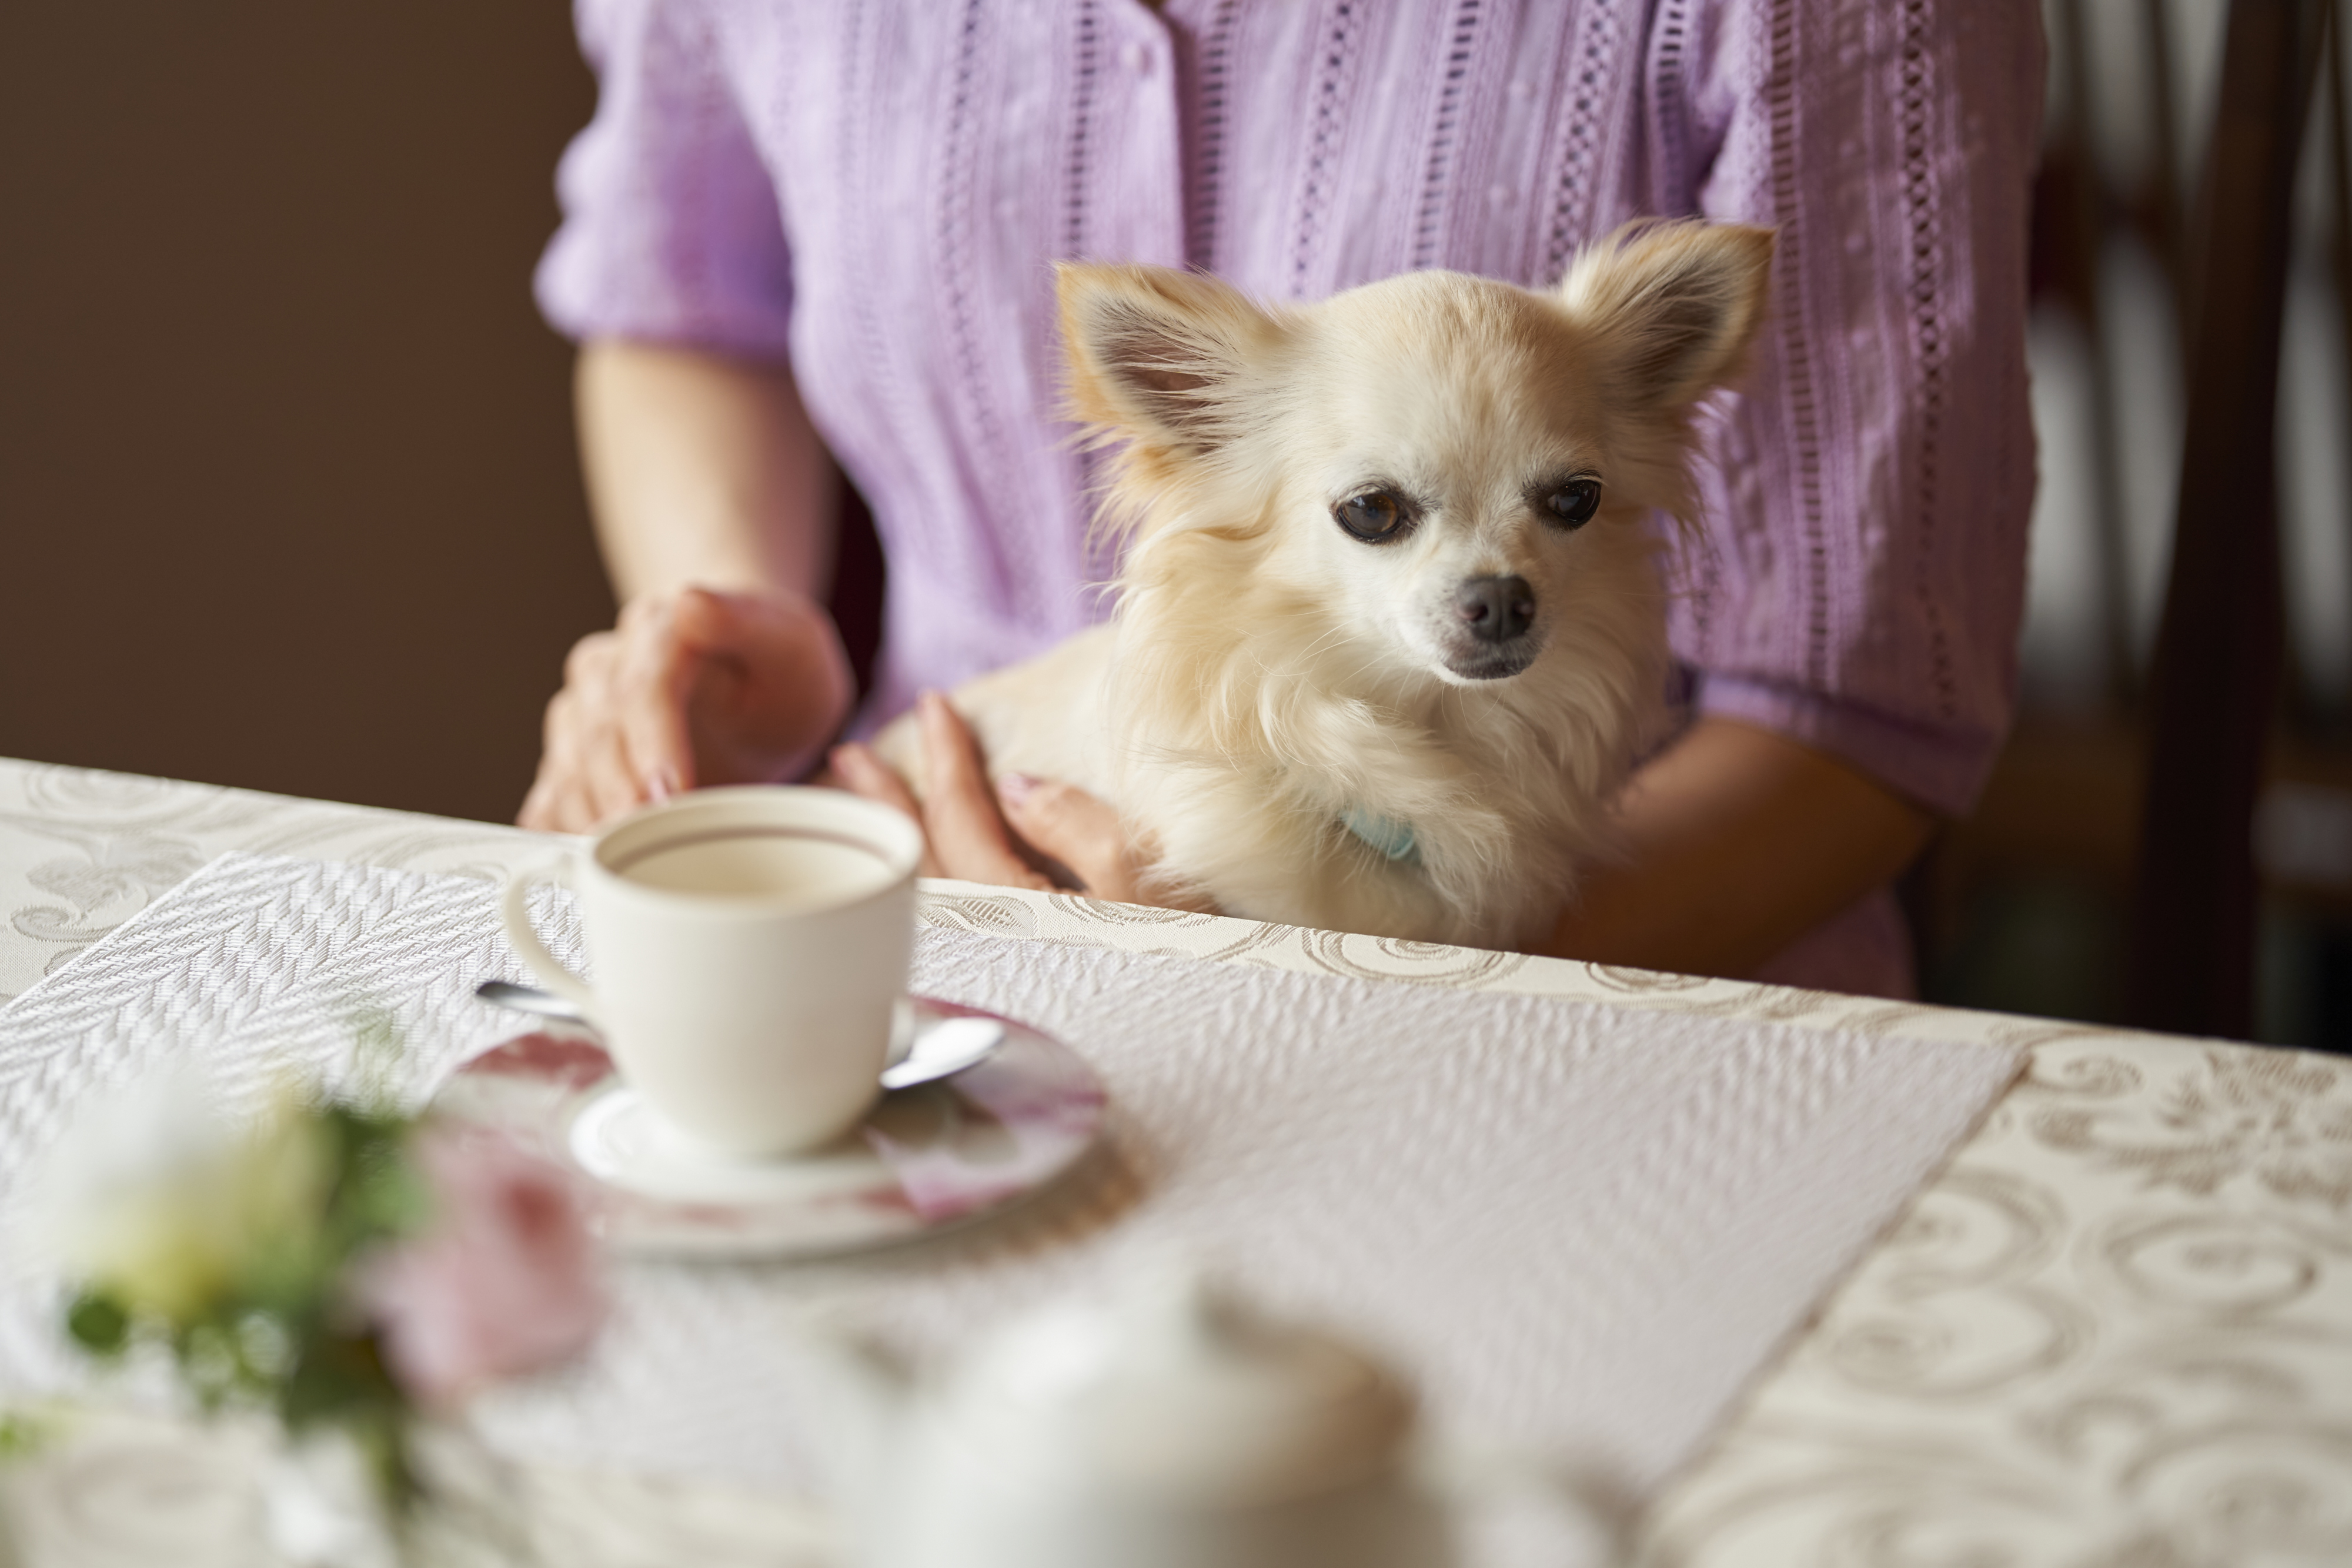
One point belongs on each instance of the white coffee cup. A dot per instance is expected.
(750, 949)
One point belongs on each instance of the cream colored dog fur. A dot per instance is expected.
(1389, 631)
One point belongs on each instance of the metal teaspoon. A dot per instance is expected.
(940, 1050)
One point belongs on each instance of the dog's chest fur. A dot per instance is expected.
(1502, 792)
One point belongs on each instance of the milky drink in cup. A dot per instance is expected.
(749, 946)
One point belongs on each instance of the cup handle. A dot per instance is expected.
(515, 906)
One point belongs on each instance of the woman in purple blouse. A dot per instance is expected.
(807, 226)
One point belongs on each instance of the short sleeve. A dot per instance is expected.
(1859, 577)
(671, 229)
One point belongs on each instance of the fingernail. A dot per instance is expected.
(1014, 788)
(662, 784)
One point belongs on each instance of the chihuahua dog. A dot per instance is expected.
(1390, 630)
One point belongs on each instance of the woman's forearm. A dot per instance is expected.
(1740, 841)
(703, 471)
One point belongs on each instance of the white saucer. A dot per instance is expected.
(621, 1140)
(922, 1160)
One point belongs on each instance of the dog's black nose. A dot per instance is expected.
(1495, 609)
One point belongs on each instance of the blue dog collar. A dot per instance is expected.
(1391, 839)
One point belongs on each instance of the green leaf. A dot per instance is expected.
(339, 1376)
(98, 1324)
(386, 1196)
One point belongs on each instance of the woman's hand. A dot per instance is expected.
(693, 687)
(1016, 835)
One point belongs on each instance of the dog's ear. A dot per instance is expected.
(1157, 355)
(1674, 307)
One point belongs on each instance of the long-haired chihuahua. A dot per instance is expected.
(1389, 631)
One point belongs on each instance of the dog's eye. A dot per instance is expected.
(1573, 504)
(1375, 516)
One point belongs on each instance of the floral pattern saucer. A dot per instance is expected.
(924, 1159)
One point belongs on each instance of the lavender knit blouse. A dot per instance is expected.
(874, 189)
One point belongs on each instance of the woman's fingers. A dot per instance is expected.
(584, 775)
(856, 769)
(859, 771)
(546, 806)
(613, 736)
(1064, 823)
(959, 812)
(997, 835)
(602, 678)
(964, 836)
(667, 643)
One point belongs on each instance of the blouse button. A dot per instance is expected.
(1135, 57)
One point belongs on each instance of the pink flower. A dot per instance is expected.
(501, 1284)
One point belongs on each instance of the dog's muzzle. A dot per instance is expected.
(1492, 616)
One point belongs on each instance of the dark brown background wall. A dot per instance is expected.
(287, 495)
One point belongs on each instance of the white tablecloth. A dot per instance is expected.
(2116, 1329)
